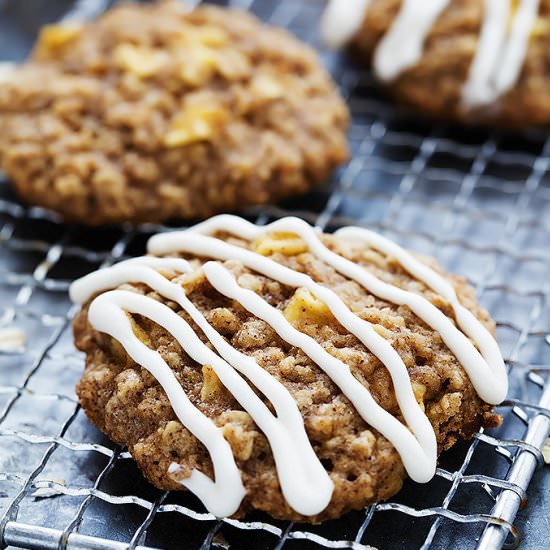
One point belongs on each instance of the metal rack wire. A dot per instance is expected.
(477, 200)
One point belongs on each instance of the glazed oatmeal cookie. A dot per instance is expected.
(472, 61)
(281, 369)
(154, 112)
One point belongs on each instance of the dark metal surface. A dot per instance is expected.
(477, 200)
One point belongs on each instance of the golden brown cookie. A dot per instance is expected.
(153, 112)
(473, 61)
(281, 309)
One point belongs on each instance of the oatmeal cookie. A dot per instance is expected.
(154, 112)
(472, 61)
(360, 363)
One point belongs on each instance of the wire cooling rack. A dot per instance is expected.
(479, 201)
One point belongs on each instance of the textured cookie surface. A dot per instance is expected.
(153, 113)
(435, 84)
(128, 404)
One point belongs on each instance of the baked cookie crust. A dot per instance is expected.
(153, 112)
(127, 403)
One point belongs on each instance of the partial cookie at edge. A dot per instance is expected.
(152, 113)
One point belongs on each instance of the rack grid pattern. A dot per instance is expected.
(477, 200)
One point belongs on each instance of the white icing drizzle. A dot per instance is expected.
(341, 20)
(107, 314)
(193, 241)
(507, 72)
(418, 454)
(486, 370)
(304, 482)
(498, 60)
(501, 51)
(401, 47)
(479, 88)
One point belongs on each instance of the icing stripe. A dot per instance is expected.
(304, 482)
(401, 47)
(341, 20)
(418, 456)
(501, 52)
(479, 88)
(486, 371)
(516, 48)
(196, 243)
(107, 314)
